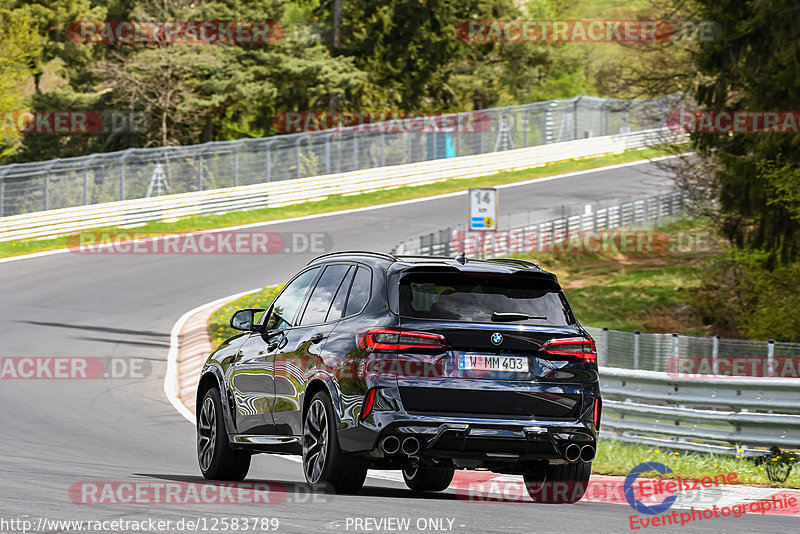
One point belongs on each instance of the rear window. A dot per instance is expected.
(475, 297)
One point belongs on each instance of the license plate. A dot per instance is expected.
(490, 362)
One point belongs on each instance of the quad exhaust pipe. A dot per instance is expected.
(410, 446)
(572, 453)
(390, 444)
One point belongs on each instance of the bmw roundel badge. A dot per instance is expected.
(497, 338)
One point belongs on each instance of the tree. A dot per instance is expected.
(754, 66)
(20, 47)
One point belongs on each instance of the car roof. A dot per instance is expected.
(401, 262)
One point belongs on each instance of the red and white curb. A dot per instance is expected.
(190, 345)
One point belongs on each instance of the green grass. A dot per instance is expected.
(219, 322)
(618, 458)
(629, 292)
(337, 202)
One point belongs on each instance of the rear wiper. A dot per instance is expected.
(502, 317)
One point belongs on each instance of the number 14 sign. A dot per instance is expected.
(482, 208)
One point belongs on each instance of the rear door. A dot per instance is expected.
(301, 345)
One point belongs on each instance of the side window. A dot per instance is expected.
(337, 308)
(359, 292)
(322, 295)
(288, 302)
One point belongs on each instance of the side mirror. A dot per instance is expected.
(245, 319)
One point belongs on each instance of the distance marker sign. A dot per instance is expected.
(482, 209)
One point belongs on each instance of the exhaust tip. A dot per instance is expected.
(572, 453)
(390, 444)
(587, 453)
(410, 446)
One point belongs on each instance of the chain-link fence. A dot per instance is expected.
(140, 173)
(567, 228)
(690, 356)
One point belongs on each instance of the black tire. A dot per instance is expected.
(218, 461)
(559, 484)
(424, 478)
(325, 465)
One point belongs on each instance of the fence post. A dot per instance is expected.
(771, 357)
(297, 147)
(658, 210)
(604, 354)
(355, 151)
(236, 164)
(3, 189)
(675, 347)
(715, 355)
(383, 150)
(268, 158)
(122, 173)
(637, 363)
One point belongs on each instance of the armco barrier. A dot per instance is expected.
(274, 194)
(716, 414)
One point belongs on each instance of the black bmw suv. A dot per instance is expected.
(424, 364)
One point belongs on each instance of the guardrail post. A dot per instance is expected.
(46, 190)
(771, 357)
(715, 355)
(637, 364)
(604, 353)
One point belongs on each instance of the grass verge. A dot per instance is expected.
(618, 458)
(340, 202)
(649, 292)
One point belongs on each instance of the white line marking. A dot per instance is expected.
(365, 208)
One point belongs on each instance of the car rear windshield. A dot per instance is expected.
(474, 297)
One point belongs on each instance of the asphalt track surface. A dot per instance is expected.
(56, 433)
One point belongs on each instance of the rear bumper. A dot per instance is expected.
(514, 436)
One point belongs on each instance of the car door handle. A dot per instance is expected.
(316, 338)
(279, 342)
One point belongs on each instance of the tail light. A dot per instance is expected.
(369, 401)
(581, 348)
(399, 340)
(597, 414)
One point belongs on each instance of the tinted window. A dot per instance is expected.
(474, 297)
(322, 296)
(289, 301)
(337, 308)
(359, 292)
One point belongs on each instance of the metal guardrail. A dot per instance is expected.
(541, 230)
(141, 173)
(712, 415)
(131, 212)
